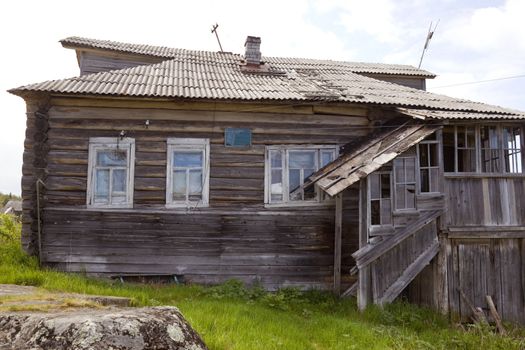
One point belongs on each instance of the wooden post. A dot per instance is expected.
(337, 242)
(441, 276)
(363, 296)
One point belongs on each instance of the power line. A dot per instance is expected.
(480, 81)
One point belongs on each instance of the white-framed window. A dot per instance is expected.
(288, 166)
(188, 172)
(111, 167)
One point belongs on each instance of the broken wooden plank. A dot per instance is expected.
(495, 315)
(478, 315)
(352, 291)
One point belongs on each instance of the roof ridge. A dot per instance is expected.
(170, 52)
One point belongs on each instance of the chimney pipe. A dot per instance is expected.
(253, 50)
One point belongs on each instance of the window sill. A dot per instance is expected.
(409, 212)
(189, 206)
(430, 195)
(324, 204)
(110, 206)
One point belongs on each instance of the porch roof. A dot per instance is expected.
(362, 158)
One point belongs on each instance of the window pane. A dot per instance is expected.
(309, 193)
(302, 159)
(386, 212)
(410, 196)
(119, 180)
(111, 158)
(425, 180)
(490, 160)
(187, 159)
(195, 182)
(399, 169)
(434, 180)
(375, 212)
(276, 187)
(466, 160)
(448, 149)
(294, 181)
(385, 186)
(410, 167)
(275, 159)
(489, 137)
(466, 137)
(400, 196)
(433, 154)
(102, 184)
(326, 157)
(179, 184)
(512, 149)
(307, 173)
(118, 199)
(374, 186)
(423, 155)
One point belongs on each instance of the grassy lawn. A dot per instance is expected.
(231, 316)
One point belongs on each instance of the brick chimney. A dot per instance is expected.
(253, 50)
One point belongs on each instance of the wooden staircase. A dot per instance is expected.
(387, 267)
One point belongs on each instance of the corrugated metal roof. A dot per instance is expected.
(436, 114)
(279, 62)
(221, 77)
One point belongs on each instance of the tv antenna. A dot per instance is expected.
(427, 41)
(214, 30)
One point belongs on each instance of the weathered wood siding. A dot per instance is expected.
(482, 267)
(487, 201)
(235, 237)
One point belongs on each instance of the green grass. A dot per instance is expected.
(231, 316)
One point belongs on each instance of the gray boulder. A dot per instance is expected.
(117, 329)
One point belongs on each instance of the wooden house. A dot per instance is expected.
(206, 166)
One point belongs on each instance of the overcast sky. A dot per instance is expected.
(475, 40)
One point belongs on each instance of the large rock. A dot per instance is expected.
(140, 328)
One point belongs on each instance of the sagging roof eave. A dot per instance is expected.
(370, 156)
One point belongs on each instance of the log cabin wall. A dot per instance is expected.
(236, 237)
(33, 169)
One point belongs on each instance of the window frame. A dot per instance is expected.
(478, 151)
(380, 199)
(320, 199)
(437, 142)
(188, 144)
(395, 182)
(109, 144)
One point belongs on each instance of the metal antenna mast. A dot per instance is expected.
(427, 41)
(214, 30)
